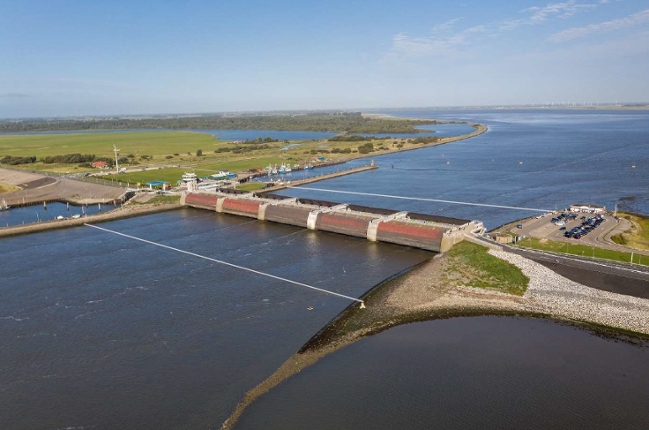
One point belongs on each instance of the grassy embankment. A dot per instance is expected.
(171, 153)
(159, 200)
(251, 186)
(472, 266)
(583, 251)
(465, 265)
(638, 236)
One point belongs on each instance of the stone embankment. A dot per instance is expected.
(552, 294)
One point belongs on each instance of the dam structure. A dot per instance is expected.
(429, 232)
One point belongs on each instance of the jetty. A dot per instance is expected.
(280, 185)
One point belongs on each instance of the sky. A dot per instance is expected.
(69, 58)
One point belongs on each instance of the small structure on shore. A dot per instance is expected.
(158, 184)
(587, 208)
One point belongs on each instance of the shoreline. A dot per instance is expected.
(420, 295)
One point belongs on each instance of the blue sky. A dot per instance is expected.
(60, 58)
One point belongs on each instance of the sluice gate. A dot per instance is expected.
(433, 233)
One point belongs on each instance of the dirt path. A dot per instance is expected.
(36, 188)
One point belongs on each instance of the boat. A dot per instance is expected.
(60, 217)
(222, 175)
(282, 169)
(287, 169)
(76, 216)
(308, 167)
(4, 206)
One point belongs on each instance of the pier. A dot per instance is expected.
(276, 186)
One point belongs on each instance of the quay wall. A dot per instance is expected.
(381, 225)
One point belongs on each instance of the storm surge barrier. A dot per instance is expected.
(429, 232)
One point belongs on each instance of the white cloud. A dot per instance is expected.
(603, 27)
(561, 10)
(540, 14)
(404, 45)
(445, 26)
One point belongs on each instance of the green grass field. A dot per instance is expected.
(584, 251)
(101, 144)
(251, 186)
(470, 264)
(174, 152)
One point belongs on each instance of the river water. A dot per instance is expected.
(102, 332)
(534, 159)
(39, 213)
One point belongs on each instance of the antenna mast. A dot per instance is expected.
(116, 162)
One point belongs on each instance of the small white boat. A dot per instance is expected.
(60, 217)
(76, 216)
(4, 206)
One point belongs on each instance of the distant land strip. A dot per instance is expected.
(343, 122)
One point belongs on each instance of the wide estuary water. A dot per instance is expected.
(102, 332)
(534, 159)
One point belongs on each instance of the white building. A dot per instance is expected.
(587, 208)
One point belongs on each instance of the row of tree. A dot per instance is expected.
(325, 122)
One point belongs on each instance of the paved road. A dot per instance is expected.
(631, 280)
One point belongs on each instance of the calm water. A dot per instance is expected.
(466, 373)
(535, 159)
(440, 130)
(37, 213)
(102, 332)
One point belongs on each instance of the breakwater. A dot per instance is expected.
(429, 232)
(281, 184)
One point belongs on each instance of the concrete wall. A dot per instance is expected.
(243, 207)
(201, 201)
(350, 225)
(293, 215)
(415, 235)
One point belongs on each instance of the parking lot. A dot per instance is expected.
(570, 227)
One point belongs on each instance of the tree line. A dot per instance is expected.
(323, 122)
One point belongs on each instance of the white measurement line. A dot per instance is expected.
(227, 264)
(422, 199)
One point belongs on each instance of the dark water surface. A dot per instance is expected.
(466, 373)
(535, 159)
(102, 332)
